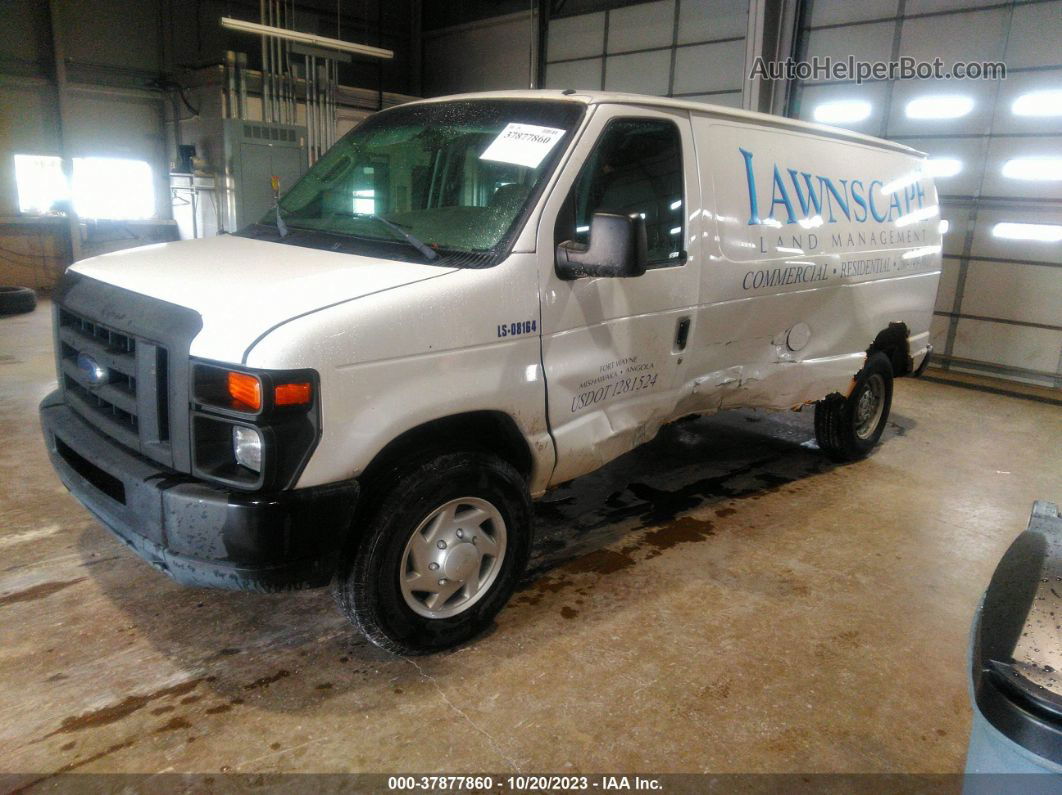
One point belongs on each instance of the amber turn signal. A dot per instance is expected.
(292, 394)
(245, 389)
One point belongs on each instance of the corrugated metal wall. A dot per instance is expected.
(680, 48)
(999, 308)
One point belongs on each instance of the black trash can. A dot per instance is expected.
(1016, 666)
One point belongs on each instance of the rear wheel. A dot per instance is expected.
(848, 428)
(441, 549)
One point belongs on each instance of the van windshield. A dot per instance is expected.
(453, 179)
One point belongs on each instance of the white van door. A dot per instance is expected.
(613, 348)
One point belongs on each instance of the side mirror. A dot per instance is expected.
(617, 249)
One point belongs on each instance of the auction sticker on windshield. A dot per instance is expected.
(522, 144)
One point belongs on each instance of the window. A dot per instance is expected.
(103, 187)
(457, 176)
(112, 188)
(40, 182)
(635, 169)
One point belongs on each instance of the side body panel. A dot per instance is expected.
(802, 249)
(812, 247)
(613, 369)
(396, 360)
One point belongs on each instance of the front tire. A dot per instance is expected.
(848, 428)
(442, 548)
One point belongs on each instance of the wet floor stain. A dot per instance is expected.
(537, 590)
(174, 724)
(266, 681)
(849, 639)
(600, 561)
(38, 591)
(684, 530)
(638, 520)
(717, 690)
(122, 709)
(67, 768)
(771, 479)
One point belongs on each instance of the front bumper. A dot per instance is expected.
(197, 533)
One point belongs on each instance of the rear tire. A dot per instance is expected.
(17, 300)
(848, 428)
(460, 518)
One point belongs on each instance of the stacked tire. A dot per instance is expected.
(17, 300)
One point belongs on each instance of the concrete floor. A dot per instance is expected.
(722, 600)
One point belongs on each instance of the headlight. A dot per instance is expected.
(247, 447)
(253, 429)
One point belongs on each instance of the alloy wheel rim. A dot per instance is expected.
(452, 558)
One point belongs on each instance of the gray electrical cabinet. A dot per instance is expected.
(255, 152)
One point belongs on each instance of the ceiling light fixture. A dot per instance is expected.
(943, 166)
(1040, 233)
(939, 106)
(1036, 169)
(1038, 103)
(842, 111)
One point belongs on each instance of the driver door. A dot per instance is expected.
(612, 348)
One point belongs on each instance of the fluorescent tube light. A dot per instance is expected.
(939, 106)
(842, 111)
(1040, 233)
(943, 166)
(1038, 103)
(1038, 169)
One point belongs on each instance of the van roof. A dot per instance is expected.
(718, 111)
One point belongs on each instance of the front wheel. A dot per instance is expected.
(848, 428)
(440, 553)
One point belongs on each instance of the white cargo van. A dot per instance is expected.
(466, 302)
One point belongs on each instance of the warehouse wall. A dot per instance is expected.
(999, 308)
(683, 48)
(484, 55)
(115, 52)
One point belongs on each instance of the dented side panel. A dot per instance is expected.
(814, 247)
(614, 370)
(802, 250)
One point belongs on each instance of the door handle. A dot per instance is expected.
(682, 333)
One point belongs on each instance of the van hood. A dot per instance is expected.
(243, 288)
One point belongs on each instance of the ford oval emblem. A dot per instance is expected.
(94, 373)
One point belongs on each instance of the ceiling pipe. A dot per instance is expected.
(306, 38)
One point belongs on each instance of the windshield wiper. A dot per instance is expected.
(416, 242)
